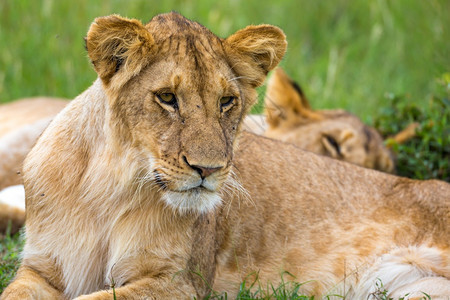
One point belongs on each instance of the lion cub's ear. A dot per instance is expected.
(285, 102)
(254, 51)
(114, 43)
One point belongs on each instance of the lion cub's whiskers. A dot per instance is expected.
(238, 77)
(234, 190)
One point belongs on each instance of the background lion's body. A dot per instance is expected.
(21, 123)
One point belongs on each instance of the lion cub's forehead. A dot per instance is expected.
(174, 23)
(172, 29)
(190, 55)
(188, 43)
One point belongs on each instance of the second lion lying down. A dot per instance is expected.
(145, 182)
(335, 133)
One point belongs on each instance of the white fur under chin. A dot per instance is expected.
(195, 201)
(13, 196)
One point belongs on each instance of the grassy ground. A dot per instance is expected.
(10, 247)
(346, 54)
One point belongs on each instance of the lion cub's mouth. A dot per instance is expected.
(199, 186)
(194, 196)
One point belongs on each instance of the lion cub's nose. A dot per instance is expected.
(202, 170)
(205, 171)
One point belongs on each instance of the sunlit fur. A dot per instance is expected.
(12, 208)
(13, 196)
(100, 182)
(404, 270)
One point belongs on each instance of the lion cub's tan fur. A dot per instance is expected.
(333, 133)
(140, 182)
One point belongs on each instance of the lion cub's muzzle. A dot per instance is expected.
(194, 187)
(200, 176)
(182, 174)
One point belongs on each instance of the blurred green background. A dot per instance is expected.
(347, 54)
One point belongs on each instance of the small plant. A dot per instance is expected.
(113, 286)
(426, 155)
(381, 293)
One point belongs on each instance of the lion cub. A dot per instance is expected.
(147, 183)
(334, 133)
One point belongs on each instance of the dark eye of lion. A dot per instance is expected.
(168, 99)
(226, 102)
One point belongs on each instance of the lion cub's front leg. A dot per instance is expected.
(30, 285)
(147, 288)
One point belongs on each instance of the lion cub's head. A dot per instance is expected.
(177, 95)
(334, 133)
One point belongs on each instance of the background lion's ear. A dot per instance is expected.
(254, 51)
(285, 102)
(114, 43)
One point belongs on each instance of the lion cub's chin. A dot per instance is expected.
(199, 200)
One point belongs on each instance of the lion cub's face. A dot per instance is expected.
(177, 95)
(185, 117)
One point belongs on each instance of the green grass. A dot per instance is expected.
(251, 288)
(346, 54)
(288, 289)
(10, 247)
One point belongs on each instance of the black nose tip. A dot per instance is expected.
(203, 171)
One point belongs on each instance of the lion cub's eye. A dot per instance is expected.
(168, 99)
(226, 102)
